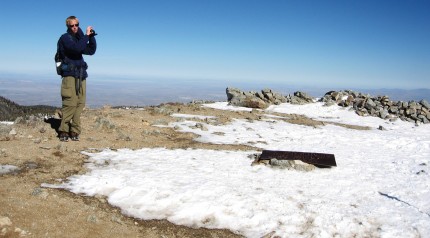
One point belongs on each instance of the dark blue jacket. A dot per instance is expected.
(72, 47)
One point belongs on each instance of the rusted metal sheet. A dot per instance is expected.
(310, 158)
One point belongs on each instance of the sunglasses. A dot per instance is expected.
(74, 25)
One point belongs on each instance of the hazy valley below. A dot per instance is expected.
(26, 90)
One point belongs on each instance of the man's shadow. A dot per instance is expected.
(54, 122)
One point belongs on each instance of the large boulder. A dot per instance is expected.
(251, 102)
(234, 93)
(252, 99)
(300, 98)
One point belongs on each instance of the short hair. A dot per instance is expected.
(71, 18)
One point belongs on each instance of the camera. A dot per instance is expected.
(93, 33)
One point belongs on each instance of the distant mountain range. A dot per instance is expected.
(45, 90)
(9, 110)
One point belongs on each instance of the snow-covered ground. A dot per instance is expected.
(380, 187)
(191, 116)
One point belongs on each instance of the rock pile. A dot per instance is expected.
(299, 98)
(264, 98)
(252, 99)
(379, 106)
(363, 104)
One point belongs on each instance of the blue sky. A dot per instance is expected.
(367, 44)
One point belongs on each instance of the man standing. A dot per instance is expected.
(71, 46)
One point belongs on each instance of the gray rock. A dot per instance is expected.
(260, 95)
(251, 102)
(362, 112)
(255, 103)
(414, 117)
(336, 96)
(92, 219)
(268, 95)
(277, 102)
(292, 165)
(425, 104)
(382, 128)
(39, 192)
(349, 100)
(409, 120)
(296, 100)
(233, 92)
(329, 93)
(383, 113)
(279, 98)
(303, 96)
(266, 91)
(201, 126)
(9, 169)
(359, 102)
(104, 123)
(370, 104)
(419, 106)
(408, 112)
(412, 104)
(393, 109)
(423, 119)
(31, 165)
(250, 94)
(253, 99)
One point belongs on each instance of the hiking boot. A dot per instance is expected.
(74, 136)
(63, 136)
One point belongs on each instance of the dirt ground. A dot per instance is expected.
(30, 210)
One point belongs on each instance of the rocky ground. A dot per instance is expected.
(31, 144)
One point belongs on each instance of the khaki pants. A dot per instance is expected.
(72, 105)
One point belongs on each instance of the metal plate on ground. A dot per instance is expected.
(321, 159)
